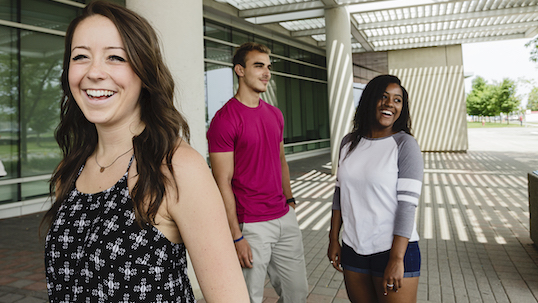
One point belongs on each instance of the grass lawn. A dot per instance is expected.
(493, 125)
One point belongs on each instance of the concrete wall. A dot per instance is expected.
(434, 79)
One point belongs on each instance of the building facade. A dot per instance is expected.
(31, 55)
(312, 84)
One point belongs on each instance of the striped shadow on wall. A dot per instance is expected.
(437, 105)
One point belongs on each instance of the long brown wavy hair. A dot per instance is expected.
(165, 126)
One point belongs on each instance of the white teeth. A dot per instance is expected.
(99, 93)
(386, 112)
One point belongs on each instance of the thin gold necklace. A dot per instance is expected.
(105, 167)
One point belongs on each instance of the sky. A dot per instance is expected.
(497, 60)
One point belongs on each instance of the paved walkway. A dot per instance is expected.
(473, 220)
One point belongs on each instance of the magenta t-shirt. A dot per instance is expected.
(254, 135)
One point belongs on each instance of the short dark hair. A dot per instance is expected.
(242, 51)
(365, 116)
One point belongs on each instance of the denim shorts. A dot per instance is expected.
(375, 264)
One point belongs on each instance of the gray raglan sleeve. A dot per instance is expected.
(409, 187)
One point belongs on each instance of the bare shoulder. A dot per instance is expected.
(190, 169)
(187, 160)
(195, 184)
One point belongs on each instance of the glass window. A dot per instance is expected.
(279, 65)
(294, 53)
(280, 49)
(240, 37)
(270, 95)
(295, 68)
(283, 103)
(263, 41)
(218, 52)
(8, 10)
(48, 14)
(9, 103)
(34, 189)
(318, 60)
(320, 74)
(217, 31)
(320, 103)
(41, 67)
(219, 88)
(310, 116)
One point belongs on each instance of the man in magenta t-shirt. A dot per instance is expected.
(246, 150)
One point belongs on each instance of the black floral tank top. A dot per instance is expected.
(96, 252)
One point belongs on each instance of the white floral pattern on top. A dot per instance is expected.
(96, 252)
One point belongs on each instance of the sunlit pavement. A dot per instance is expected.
(473, 221)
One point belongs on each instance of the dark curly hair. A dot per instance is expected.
(365, 116)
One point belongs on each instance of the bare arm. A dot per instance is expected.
(201, 219)
(335, 250)
(286, 186)
(223, 171)
(395, 267)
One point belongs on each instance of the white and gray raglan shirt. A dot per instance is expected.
(377, 190)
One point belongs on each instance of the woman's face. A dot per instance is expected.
(388, 110)
(101, 79)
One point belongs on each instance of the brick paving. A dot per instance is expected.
(473, 220)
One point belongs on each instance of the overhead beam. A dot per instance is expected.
(330, 3)
(373, 6)
(531, 32)
(360, 37)
(307, 14)
(455, 31)
(280, 9)
(308, 32)
(451, 17)
(448, 42)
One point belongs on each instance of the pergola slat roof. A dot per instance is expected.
(400, 24)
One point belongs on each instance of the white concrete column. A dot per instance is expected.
(179, 25)
(339, 76)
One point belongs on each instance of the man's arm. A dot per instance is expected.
(222, 165)
(286, 186)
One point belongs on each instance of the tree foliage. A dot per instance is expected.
(492, 99)
(532, 103)
(533, 45)
(480, 101)
(506, 98)
(474, 98)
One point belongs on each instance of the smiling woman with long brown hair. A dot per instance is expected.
(130, 194)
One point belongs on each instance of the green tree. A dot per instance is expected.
(532, 103)
(533, 45)
(39, 95)
(480, 99)
(505, 97)
(474, 98)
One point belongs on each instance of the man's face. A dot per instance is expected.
(257, 71)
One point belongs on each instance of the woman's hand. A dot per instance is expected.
(334, 252)
(393, 276)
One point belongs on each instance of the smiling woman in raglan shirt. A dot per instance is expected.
(378, 185)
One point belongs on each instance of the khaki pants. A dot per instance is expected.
(277, 251)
